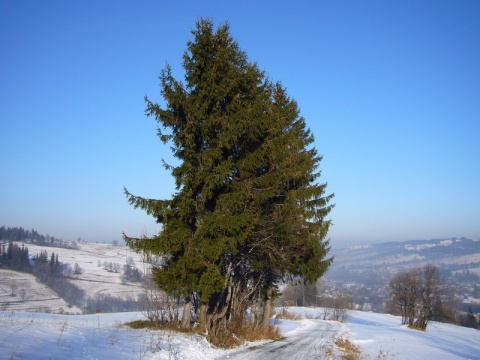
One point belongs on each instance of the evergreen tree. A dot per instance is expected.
(51, 263)
(248, 211)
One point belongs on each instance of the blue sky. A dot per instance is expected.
(390, 90)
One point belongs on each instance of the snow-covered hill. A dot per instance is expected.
(94, 278)
(21, 291)
(48, 336)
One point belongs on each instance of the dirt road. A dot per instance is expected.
(312, 341)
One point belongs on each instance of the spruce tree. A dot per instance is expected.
(248, 210)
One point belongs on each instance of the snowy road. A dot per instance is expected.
(313, 340)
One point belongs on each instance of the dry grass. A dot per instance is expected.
(287, 315)
(148, 324)
(142, 324)
(225, 339)
(257, 334)
(349, 350)
(237, 332)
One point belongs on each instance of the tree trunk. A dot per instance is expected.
(187, 312)
(219, 314)
(253, 310)
(234, 302)
(411, 313)
(267, 309)
(421, 322)
(202, 317)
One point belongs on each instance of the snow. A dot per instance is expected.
(359, 247)
(103, 336)
(382, 334)
(25, 335)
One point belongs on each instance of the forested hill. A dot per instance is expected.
(32, 236)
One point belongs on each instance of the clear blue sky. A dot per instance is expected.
(390, 90)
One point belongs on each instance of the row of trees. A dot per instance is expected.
(248, 211)
(19, 234)
(14, 257)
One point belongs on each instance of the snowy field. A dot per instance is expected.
(26, 335)
(90, 258)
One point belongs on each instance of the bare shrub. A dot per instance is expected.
(159, 307)
(327, 313)
(341, 304)
(336, 307)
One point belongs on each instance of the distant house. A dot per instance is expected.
(32, 260)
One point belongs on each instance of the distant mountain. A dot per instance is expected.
(451, 254)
